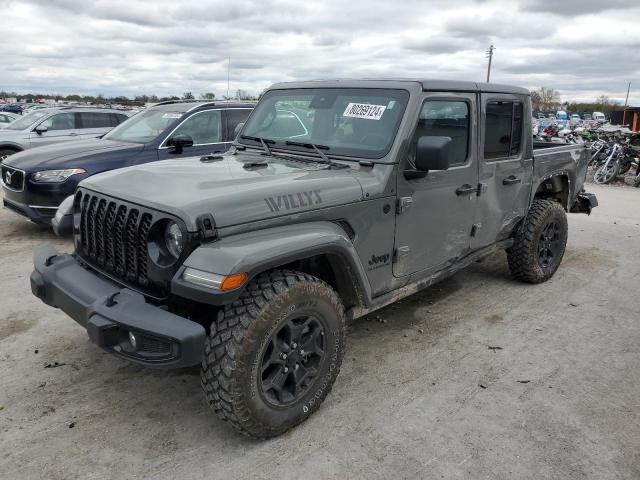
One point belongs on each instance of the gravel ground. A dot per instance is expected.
(477, 377)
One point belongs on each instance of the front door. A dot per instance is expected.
(436, 213)
(205, 128)
(60, 127)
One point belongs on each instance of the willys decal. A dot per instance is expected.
(294, 200)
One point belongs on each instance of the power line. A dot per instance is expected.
(489, 55)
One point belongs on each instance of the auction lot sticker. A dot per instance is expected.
(363, 110)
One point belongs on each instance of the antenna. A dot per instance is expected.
(626, 100)
(489, 55)
(228, 74)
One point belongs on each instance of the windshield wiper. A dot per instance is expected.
(317, 148)
(263, 141)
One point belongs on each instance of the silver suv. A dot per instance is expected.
(60, 124)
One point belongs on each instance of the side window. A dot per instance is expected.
(503, 129)
(117, 119)
(204, 127)
(94, 120)
(60, 121)
(234, 117)
(445, 118)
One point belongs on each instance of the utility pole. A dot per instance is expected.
(489, 55)
(626, 100)
(228, 74)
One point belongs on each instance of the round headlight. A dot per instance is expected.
(173, 239)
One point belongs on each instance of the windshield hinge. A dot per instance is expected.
(402, 204)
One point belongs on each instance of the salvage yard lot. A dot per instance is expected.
(477, 377)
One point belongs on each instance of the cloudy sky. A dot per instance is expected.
(583, 48)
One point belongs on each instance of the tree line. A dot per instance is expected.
(138, 100)
(548, 100)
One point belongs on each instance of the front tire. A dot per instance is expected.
(272, 356)
(539, 242)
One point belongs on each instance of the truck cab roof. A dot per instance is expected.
(426, 85)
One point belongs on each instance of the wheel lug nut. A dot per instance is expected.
(297, 366)
(283, 356)
(286, 369)
(301, 352)
(294, 345)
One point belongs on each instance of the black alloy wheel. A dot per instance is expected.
(292, 360)
(549, 244)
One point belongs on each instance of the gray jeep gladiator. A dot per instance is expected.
(336, 199)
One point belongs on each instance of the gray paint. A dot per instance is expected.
(269, 216)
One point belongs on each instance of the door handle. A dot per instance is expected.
(466, 189)
(511, 180)
(73, 134)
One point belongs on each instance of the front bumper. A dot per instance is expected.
(110, 314)
(41, 215)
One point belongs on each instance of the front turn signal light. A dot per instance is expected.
(233, 281)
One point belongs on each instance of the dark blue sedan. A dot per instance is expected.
(36, 181)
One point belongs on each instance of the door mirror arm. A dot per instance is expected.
(412, 173)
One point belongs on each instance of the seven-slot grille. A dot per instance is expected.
(12, 178)
(114, 237)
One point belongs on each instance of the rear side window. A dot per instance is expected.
(117, 119)
(234, 117)
(503, 129)
(94, 120)
(446, 118)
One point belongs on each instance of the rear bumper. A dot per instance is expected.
(110, 313)
(585, 202)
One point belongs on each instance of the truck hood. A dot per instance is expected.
(233, 194)
(72, 154)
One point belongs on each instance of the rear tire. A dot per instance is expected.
(272, 356)
(539, 242)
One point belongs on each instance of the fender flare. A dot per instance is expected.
(553, 175)
(261, 250)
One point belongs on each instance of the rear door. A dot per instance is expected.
(60, 127)
(505, 167)
(436, 212)
(206, 130)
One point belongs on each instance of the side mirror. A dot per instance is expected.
(432, 153)
(237, 130)
(179, 142)
(40, 129)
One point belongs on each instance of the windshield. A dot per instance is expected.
(143, 127)
(358, 122)
(26, 121)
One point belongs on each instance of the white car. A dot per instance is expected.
(7, 117)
